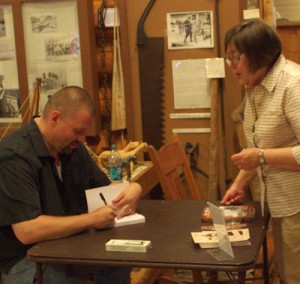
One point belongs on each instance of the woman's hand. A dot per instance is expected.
(247, 159)
(234, 195)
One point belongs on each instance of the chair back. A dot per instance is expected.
(172, 168)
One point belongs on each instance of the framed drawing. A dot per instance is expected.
(9, 83)
(54, 41)
(52, 47)
(190, 30)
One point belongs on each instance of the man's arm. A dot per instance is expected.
(51, 227)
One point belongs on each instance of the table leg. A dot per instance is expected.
(39, 273)
(266, 260)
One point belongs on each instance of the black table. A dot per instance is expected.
(168, 225)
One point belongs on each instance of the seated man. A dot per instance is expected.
(44, 171)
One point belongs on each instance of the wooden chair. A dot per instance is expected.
(175, 175)
(177, 182)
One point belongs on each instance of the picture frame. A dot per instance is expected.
(188, 30)
(55, 41)
(9, 84)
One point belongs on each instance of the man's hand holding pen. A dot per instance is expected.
(122, 211)
(104, 216)
(126, 202)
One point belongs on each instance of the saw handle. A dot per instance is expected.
(141, 36)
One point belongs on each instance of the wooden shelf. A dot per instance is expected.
(145, 175)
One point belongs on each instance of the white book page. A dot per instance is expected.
(110, 192)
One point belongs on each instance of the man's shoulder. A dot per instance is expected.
(17, 143)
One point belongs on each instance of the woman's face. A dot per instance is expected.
(239, 65)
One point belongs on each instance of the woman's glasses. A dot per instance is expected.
(233, 59)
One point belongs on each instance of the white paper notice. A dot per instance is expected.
(191, 86)
(215, 68)
(251, 14)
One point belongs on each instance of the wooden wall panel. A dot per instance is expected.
(289, 33)
(155, 26)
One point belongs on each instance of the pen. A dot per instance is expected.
(103, 198)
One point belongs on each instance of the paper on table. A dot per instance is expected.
(109, 192)
(209, 239)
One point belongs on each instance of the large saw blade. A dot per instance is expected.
(151, 65)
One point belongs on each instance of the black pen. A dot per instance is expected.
(103, 198)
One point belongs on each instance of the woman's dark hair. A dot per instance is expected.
(257, 40)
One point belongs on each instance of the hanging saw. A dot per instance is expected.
(151, 65)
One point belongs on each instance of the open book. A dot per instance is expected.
(94, 201)
(209, 239)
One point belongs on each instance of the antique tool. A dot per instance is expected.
(192, 152)
(118, 113)
(213, 193)
(151, 64)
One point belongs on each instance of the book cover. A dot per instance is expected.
(232, 213)
(209, 239)
(229, 226)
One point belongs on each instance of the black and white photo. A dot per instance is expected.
(190, 30)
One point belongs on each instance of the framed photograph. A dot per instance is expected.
(51, 40)
(9, 83)
(52, 46)
(190, 30)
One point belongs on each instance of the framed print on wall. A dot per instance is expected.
(9, 83)
(55, 41)
(52, 46)
(190, 30)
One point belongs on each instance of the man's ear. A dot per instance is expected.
(55, 117)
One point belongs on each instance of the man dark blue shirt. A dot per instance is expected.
(30, 184)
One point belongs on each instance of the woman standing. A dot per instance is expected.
(272, 128)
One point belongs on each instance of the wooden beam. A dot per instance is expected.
(268, 12)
